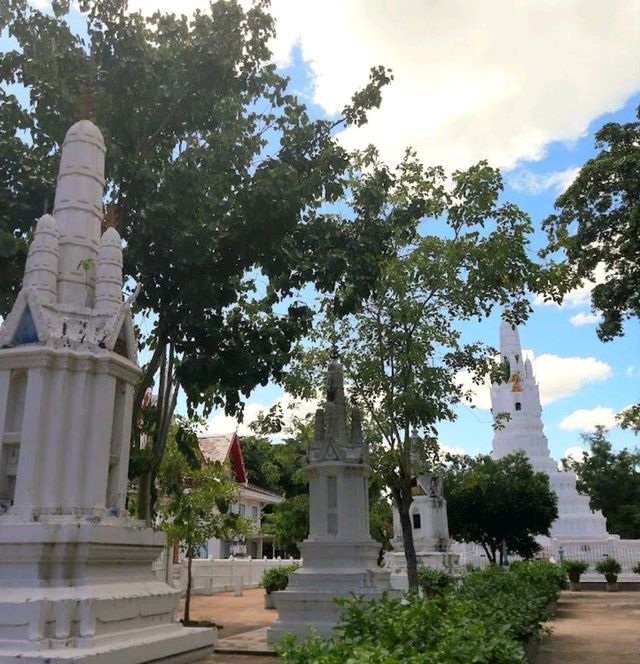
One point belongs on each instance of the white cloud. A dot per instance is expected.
(489, 80)
(579, 296)
(451, 449)
(574, 452)
(558, 377)
(582, 318)
(220, 423)
(523, 180)
(585, 419)
(630, 371)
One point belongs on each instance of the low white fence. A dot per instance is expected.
(626, 552)
(218, 575)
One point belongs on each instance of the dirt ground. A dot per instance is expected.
(594, 627)
(233, 615)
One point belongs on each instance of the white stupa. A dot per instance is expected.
(340, 556)
(76, 578)
(520, 398)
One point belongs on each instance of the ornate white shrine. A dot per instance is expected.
(340, 556)
(76, 582)
(428, 514)
(520, 398)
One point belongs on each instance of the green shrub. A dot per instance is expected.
(608, 566)
(434, 581)
(636, 569)
(574, 568)
(277, 578)
(517, 598)
(414, 631)
(486, 621)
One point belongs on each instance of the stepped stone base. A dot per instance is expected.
(80, 588)
(396, 563)
(336, 570)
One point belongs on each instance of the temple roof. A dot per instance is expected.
(223, 448)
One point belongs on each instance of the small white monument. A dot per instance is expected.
(428, 514)
(340, 556)
(520, 398)
(76, 582)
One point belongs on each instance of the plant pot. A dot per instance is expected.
(269, 601)
(574, 577)
(574, 585)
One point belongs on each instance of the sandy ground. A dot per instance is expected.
(232, 614)
(590, 627)
(594, 627)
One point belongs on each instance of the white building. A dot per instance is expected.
(251, 502)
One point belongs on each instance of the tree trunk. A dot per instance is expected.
(491, 553)
(403, 502)
(144, 497)
(187, 596)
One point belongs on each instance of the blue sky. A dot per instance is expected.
(524, 85)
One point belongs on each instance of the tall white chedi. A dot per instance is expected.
(76, 578)
(340, 556)
(520, 398)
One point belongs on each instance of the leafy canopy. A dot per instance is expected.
(491, 502)
(598, 223)
(216, 174)
(456, 252)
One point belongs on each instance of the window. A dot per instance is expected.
(416, 520)
(242, 509)
(254, 513)
(518, 405)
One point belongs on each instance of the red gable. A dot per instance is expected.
(225, 448)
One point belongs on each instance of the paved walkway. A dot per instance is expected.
(594, 627)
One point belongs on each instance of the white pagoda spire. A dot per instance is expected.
(518, 396)
(78, 212)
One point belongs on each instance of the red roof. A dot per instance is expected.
(225, 448)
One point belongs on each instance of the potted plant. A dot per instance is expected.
(276, 578)
(574, 568)
(610, 567)
(433, 582)
(636, 569)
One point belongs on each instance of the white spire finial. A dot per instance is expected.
(78, 212)
(509, 340)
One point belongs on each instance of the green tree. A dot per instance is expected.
(455, 253)
(498, 503)
(195, 504)
(598, 222)
(217, 177)
(612, 482)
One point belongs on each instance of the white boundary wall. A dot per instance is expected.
(218, 575)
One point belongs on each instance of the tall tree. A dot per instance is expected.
(598, 222)
(499, 504)
(195, 501)
(456, 252)
(612, 482)
(216, 178)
